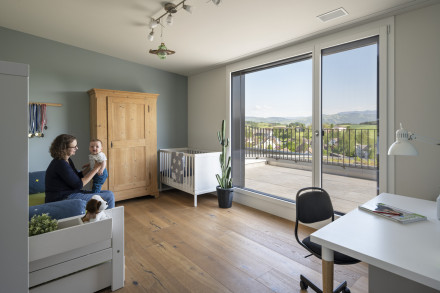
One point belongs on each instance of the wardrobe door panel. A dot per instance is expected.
(127, 119)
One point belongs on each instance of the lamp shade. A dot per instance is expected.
(153, 23)
(188, 8)
(151, 36)
(402, 147)
(162, 51)
(170, 19)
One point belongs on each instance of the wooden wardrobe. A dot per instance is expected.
(126, 124)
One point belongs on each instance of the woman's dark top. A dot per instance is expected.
(62, 179)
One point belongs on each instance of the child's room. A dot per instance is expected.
(60, 77)
(150, 147)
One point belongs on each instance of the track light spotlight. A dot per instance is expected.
(154, 23)
(151, 36)
(188, 8)
(170, 19)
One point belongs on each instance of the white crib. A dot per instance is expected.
(198, 170)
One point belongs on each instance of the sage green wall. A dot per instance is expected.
(63, 74)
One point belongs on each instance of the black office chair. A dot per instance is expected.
(313, 205)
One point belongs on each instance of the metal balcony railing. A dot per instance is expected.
(342, 147)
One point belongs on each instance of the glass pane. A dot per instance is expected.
(350, 125)
(278, 135)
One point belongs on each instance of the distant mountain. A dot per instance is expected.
(351, 117)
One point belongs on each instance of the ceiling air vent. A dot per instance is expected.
(332, 14)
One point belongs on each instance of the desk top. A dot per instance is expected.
(410, 250)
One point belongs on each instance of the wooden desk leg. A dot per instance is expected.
(327, 270)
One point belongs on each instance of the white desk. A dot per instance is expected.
(409, 250)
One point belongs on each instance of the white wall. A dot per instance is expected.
(417, 90)
(417, 99)
(206, 108)
(14, 178)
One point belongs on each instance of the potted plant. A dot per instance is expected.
(40, 224)
(225, 191)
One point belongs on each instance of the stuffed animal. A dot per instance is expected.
(95, 209)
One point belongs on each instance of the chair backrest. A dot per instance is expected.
(313, 204)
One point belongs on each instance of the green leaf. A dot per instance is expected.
(225, 180)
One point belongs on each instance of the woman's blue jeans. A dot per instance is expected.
(106, 195)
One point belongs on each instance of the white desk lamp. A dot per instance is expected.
(402, 146)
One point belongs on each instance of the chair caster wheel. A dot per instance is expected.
(303, 285)
(346, 290)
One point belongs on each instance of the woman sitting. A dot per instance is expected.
(63, 181)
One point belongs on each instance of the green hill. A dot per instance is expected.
(352, 117)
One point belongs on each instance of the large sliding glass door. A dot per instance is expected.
(275, 133)
(285, 136)
(350, 122)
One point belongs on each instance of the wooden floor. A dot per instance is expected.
(170, 246)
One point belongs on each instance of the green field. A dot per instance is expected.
(357, 126)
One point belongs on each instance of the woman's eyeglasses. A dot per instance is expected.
(74, 147)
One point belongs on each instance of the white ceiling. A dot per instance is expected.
(210, 36)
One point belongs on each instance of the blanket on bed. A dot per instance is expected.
(177, 163)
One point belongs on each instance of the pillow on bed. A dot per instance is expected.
(36, 182)
(36, 198)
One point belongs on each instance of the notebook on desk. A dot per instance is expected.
(392, 213)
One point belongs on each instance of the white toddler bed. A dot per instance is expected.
(189, 170)
(79, 257)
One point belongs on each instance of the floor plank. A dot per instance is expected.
(170, 246)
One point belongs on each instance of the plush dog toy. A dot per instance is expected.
(95, 209)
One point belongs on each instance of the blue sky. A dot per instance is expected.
(349, 83)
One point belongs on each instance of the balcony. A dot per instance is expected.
(279, 163)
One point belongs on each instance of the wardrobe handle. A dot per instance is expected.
(111, 144)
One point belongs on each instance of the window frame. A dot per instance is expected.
(385, 30)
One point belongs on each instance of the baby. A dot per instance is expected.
(95, 209)
(96, 155)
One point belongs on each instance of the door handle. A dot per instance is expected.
(317, 132)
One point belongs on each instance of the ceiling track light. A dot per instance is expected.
(170, 9)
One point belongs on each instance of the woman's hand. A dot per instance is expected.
(89, 175)
(85, 168)
(96, 167)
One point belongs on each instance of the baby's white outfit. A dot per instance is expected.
(99, 157)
